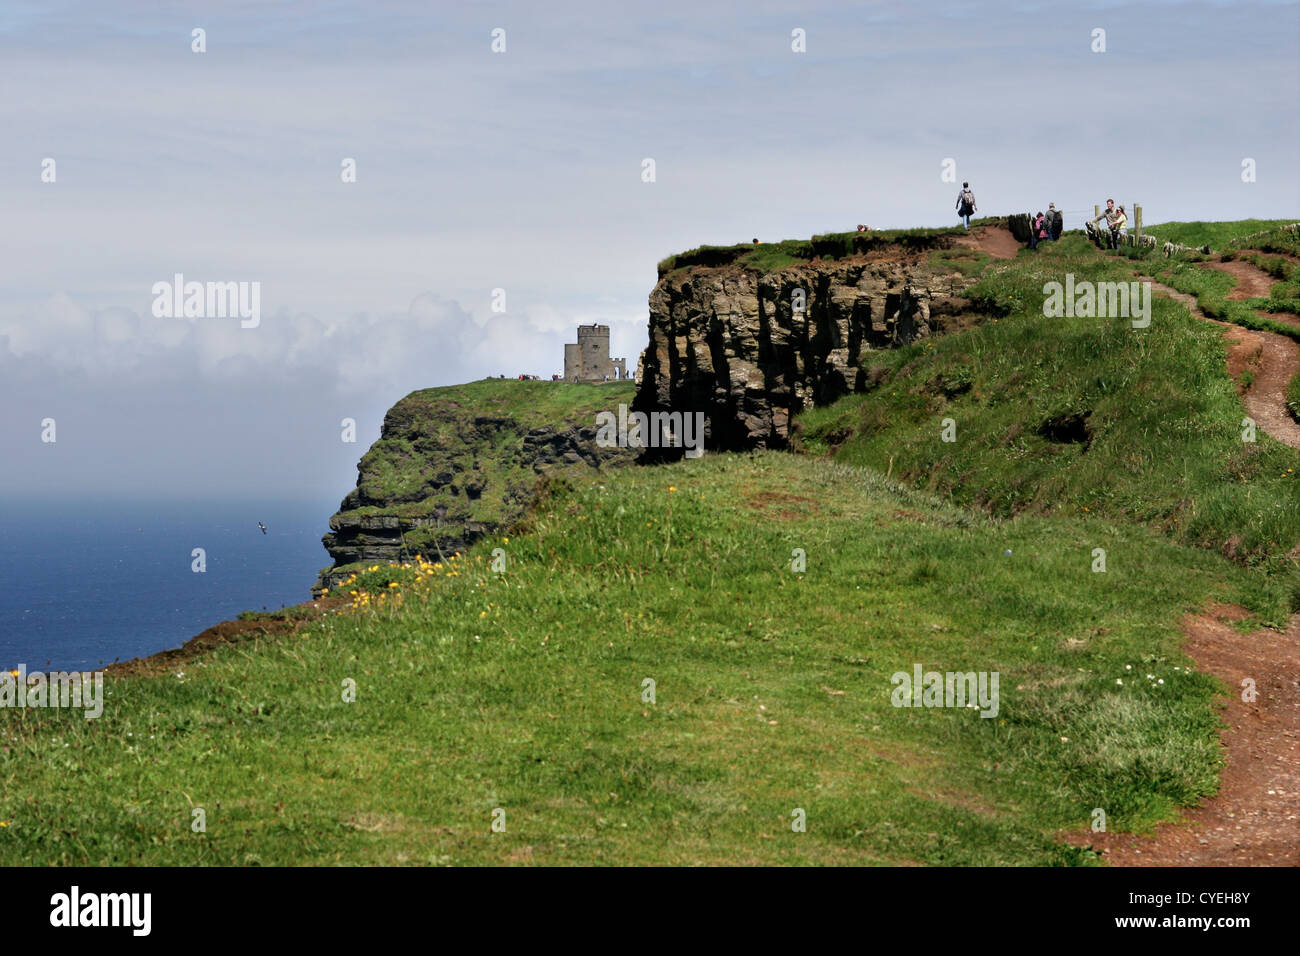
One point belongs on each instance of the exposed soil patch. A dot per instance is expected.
(997, 241)
(783, 506)
(1252, 282)
(1284, 317)
(1254, 820)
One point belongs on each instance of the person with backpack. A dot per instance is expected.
(1055, 221)
(966, 204)
(1038, 231)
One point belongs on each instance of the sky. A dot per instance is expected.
(523, 169)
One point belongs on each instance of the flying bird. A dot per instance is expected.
(262, 526)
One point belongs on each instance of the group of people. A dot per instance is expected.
(1116, 220)
(1046, 228)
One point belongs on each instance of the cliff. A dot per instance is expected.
(454, 464)
(750, 335)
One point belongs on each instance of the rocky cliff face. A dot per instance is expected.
(750, 347)
(455, 464)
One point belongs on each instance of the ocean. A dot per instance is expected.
(84, 584)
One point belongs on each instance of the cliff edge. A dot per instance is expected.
(750, 335)
(453, 464)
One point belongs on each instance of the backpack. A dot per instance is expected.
(968, 199)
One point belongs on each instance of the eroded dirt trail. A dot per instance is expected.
(1252, 282)
(1271, 358)
(1254, 820)
(997, 241)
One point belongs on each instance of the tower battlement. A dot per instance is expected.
(587, 360)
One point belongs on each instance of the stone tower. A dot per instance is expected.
(588, 359)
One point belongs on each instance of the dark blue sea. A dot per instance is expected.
(82, 584)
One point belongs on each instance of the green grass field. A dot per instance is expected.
(524, 691)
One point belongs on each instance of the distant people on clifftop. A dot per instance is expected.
(966, 204)
(1055, 221)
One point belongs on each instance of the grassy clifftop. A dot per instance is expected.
(678, 663)
(474, 427)
(770, 256)
(453, 463)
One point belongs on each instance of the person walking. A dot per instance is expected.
(966, 204)
(1055, 221)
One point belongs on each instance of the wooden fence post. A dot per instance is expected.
(1137, 219)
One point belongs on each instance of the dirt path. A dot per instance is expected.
(1254, 819)
(1271, 358)
(1252, 282)
(997, 241)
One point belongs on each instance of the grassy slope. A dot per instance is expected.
(1166, 443)
(523, 691)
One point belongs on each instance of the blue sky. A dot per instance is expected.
(522, 171)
